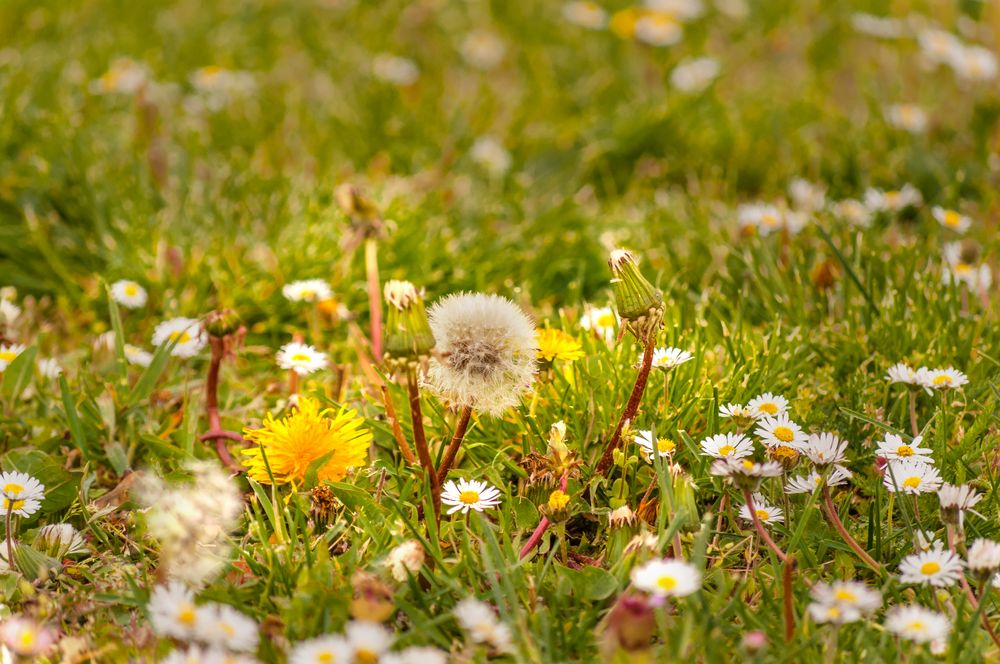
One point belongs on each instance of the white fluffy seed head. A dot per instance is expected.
(486, 351)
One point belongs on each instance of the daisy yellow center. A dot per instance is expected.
(307, 294)
(7, 355)
(784, 434)
(748, 465)
(131, 290)
(942, 380)
(229, 630)
(469, 497)
(769, 408)
(911, 482)
(845, 596)
(661, 20)
(833, 612)
(365, 656)
(818, 480)
(892, 197)
(916, 626)
(763, 515)
(665, 446)
(930, 568)
(181, 337)
(12, 488)
(952, 218)
(27, 638)
(769, 220)
(962, 268)
(16, 505)
(667, 582)
(300, 357)
(606, 320)
(186, 615)
(904, 451)
(726, 450)
(324, 657)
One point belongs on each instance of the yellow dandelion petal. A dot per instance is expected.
(295, 441)
(557, 345)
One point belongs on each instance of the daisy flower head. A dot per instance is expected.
(486, 352)
(300, 358)
(833, 612)
(768, 405)
(186, 334)
(600, 321)
(983, 558)
(129, 294)
(307, 290)
(585, 14)
(331, 649)
(481, 622)
(416, 655)
(59, 540)
(124, 76)
(395, 69)
(960, 267)
(405, 560)
(946, 379)
(368, 640)
(469, 495)
(951, 219)
(305, 435)
(806, 195)
(881, 27)
(911, 477)
(780, 431)
(824, 449)
(974, 63)
(901, 372)
(727, 445)
(908, 117)
(645, 440)
(657, 29)
(483, 50)
(759, 219)
(8, 353)
(137, 356)
(668, 358)
(557, 345)
(26, 637)
(667, 578)
(766, 513)
(853, 212)
(745, 473)
(849, 595)
(895, 200)
(814, 480)
(489, 153)
(9, 312)
(937, 567)
(938, 46)
(49, 368)
(22, 493)
(741, 415)
(222, 626)
(956, 501)
(693, 75)
(893, 448)
(917, 624)
(173, 612)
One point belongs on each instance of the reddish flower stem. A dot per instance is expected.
(604, 465)
(215, 431)
(543, 524)
(374, 297)
(914, 427)
(788, 598)
(761, 531)
(397, 432)
(831, 513)
(456, 441)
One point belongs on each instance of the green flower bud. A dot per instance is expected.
(639, 303)
(408, 336)
(222, 323)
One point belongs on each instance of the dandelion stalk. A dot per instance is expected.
(543, 524)
(224, 332)
(456, 442)
(419, 437)
(631, 408)
(761, 531)
(787, 598)
(397, 432)
(831, 513)
(374, 296)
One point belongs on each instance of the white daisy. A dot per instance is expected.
(938, 46)
(893, 201)
(759, 218)
(915, 623)
(833, 612)
(901, 372)
(882, 27)
(416, 655)
(893, 448)
(853, 212)
(824, 449)
(974, 63)
(667, 578)
(129, 294)
(49, 368)
(489, 154)
(172, 611)
(469, 495)
(21, 492)
(644, 439)
(766, 512)
(952, 219)
(9, 312)
(300, 358)
(187, 333)
(602, 321)
(395, 69)
(956, 501)
(745, 468)
(780, 431)
(849, 595)
(668, 358)
(8, 353)
(585, 14)
(946, 379)
(307, 290)
(331, 649)
(908, 117)
(137, 356)
(809, 483)
(937, 567)
(727, 445)
(768, 405)
(983, 557)
(684, 10)
(658, 29)
(692, 75)
(736, 412)
(368, 640)
(224, 627)
(806, 195)
(911, 477)
(480, 621)
(482, 49)
(405, 560)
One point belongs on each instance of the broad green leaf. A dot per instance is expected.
(17, 375)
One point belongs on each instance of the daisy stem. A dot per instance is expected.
(293, 382)
(976, 604)
(397, 432)
(456, 441)
(604, 465)
(374, 297)
(788, 598)
(831, 514)
(9, 533)
(759, 527)
(914, 427)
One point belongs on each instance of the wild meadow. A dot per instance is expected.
(347, 332)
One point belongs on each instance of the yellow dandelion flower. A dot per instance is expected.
(557, 345)
(558, 500)
(300, 438)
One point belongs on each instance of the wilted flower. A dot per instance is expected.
(405, 560)
(408, 336)
(631, 624)
(956, 501)
(638, 302)
(59, 540)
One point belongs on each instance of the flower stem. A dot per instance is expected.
(914, 427)
(543, 524)
(788, 598)
(456, 441)
(419, 437)
(397, 432)
(604, 465)
(831, 514)
(761, 531)
(10, 538)
(374, 297)
(215, 430)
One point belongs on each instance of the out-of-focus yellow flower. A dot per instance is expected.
(557, 345)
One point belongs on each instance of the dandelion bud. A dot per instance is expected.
(408, 336)
(639, 303)
(556, 507)
(323, 503)
(222, 323)
(630, 626)
(372, 599)
(59, 540)
(557, 433)
(621, 517)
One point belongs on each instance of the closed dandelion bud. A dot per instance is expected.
(59, 540)
(222, 323)
(639, 303)
(323, 503)
(622, 517)
(557, 434)
(408, 336)
(631, 625)
(556, 508)
(372, 599)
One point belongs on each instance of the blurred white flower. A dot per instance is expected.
(395, 69)
(481, 622)
(300, 358)
(908, 117)
(9, 312)
(952, 219)
(491, 155)
(878, 200)
(8, 353)
(694, 74)
(807, 196)
(128, 294)
(483, 50)
(684, 10)
(137, 356)
(585, 14)
(49, 368)
(915, 623)
(307, 290)
(658, 29)
(187, 333)
(883, 27)
(974, 63)
(124, 76)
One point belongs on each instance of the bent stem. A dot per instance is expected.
(831, 514)
(970, 595)
(604, 465)
(761, 531)
(456, 441)
(215, 431)
(374, 297)
(788, 598)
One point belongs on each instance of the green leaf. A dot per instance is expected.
(73, 419)
(147, 381)
(119, 330)
(591, 583)
(17, 375)
(60, 484)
